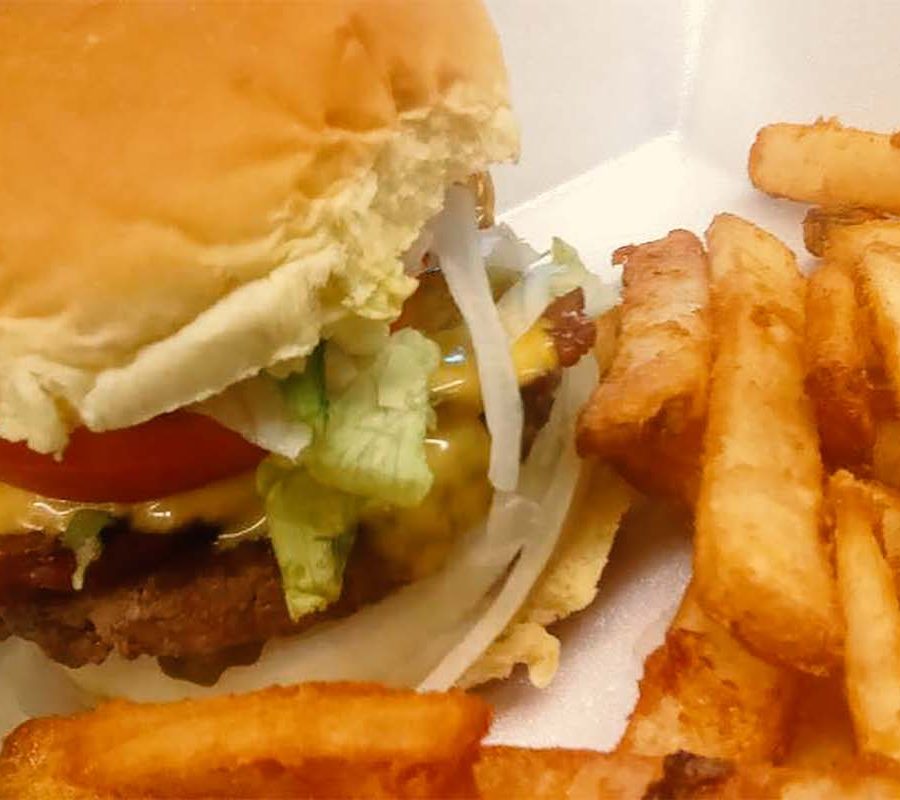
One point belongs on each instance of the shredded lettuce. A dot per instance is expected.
(373, 444)
(304, 392)
(554, 274)
(312, 528)
(82, 537)
(368, 445)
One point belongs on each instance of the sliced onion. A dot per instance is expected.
(548, 481)
(256, 410)
(524, 302)
(457, 247)
(428, 633)
(502, 249)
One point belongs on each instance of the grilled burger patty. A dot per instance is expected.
(197, 600)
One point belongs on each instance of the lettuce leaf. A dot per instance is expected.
(553, 275)
(82, 537)
(369, 444)
(312, 528)
(304, 392)
(373, 444)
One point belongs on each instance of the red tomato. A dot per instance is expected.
(169, 454)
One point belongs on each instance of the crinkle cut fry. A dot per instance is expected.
(761, 566)
(647, 413)
(313, 741)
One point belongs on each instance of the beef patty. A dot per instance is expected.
(194, 601)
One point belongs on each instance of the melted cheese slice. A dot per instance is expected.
(232, 503)
(456, 380)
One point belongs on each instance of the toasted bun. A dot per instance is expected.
(190, 192)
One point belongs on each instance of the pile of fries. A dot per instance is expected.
(766, 401)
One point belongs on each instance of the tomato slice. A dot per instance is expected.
(166, 455)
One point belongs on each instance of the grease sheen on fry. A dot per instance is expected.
(760, 565)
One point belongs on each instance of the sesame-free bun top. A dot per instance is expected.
(190, 192)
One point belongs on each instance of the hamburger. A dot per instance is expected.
(278, 398)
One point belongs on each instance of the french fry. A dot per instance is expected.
(703, 692)
(820, 732)
(607, 342)
(886, 453)
(647, 414)
(879, 275)
(884, 503)
(872, 619)
(821, 224)
(502, 773)
(838, 356)
(828, 164)
(889, 527)
(312, 741)
(760, 565)
(846, 244)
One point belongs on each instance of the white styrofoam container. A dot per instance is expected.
(638, 116)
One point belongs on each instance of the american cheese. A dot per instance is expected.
(458, 447)
(533, 354)
(231, 502)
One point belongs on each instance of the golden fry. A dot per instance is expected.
(884, 503)
(886, 453)
(847, 243)
(607, 342)
(820, 732)
(506, 772)
(872, 619)
(703, 692)
(827, 164)
(647, 414)
(312, 741)
(838, 356)
(760, 565)
(879, 274)
(821, 224)
(502, 773)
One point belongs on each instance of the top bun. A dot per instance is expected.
(189, 192)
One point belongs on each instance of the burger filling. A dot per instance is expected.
(381, 466)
